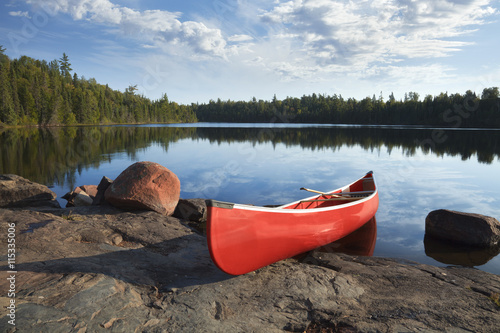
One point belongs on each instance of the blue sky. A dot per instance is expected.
(195, 51)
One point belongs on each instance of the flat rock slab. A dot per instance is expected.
(99, 269)
(16, 191)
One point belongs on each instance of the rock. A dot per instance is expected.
(80, 276)
(82, 199)
(101, 189)
(463, 228)
(145, 186)
(99, 269)
(81, 196)
(70, 197)
(192, 210)
(91, 190)
(16, 191)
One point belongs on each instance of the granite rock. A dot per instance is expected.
(145, 186)
(16, 191)
(463, 228)
(99, 269)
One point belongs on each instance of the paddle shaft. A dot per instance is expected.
(335, 199)
(337, 195)
(314, 191)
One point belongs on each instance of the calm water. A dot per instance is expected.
(417, 170)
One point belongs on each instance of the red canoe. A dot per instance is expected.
(243, 238)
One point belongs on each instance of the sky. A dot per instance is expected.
(195, 50)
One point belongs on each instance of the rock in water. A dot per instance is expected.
(16, 191)
(145, 185)
(463, 228)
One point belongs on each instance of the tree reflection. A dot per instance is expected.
(55, 155)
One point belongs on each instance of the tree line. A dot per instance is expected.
(37, 92)
(445, 110)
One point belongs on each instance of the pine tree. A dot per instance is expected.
(65, 65)
(2, 54)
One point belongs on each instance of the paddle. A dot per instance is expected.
(338, 195)
(314, 191)
(334, 199)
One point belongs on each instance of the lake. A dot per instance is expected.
(417, 170)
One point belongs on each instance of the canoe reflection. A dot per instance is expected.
(360, 242)
(453, 254)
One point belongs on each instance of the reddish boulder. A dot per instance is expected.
(145, 185)
(91, 190)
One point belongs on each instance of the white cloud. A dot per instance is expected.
(367, 32)
(240, 38)
(20, 14)
(160, 27)
(302, 34)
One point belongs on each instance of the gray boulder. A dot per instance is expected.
(192, 210)
(463, 228)
(16, 191)
(101, 190)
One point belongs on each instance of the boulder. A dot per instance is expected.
(82, 199)
(101, 189)
(145, 186)
(81, 196)
(194, 210)
(16, 191)
(91, 190)
(463, 228)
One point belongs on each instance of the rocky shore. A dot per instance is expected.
(101, 269)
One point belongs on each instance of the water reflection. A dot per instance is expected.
(360, 242)
(55, 155)
(453, 254)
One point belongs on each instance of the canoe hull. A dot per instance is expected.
(244, 238)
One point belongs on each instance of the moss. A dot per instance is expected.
(71, 217)
(495, 298)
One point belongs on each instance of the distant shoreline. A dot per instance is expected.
(258, 125)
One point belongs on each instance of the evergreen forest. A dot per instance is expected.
(37, 92)
(451, 111)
